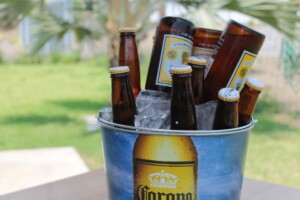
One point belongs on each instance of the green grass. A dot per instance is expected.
(44, 106)
(274, 153)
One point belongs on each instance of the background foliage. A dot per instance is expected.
(92, 19)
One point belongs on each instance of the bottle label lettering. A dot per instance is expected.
(159, 180)
(175, 51)
(241, 70)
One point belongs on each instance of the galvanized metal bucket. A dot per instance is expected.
(221, 157)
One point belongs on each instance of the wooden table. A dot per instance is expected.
(92, 186)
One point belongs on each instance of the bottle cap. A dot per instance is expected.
(119, 69)
(229, 94)
(127, 30)
(181, 69)
(255, 84)
(197, 61)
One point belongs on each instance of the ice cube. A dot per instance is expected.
(91, 123)
(106, 114)
(205, 114)
(153, 110)
(147, 97)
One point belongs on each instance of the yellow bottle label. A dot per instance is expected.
(175, 51)
(159, 180)
(241, 70)
(202, 52)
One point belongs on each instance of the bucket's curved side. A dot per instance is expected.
(221, 165)
(117, 149)
(221, 161)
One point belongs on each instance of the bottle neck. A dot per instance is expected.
(247, 104)
(198, 84)
(127, 41)
(129, 35)
(128, 55)
(127, 45)
(180, 78)
(123, 104)
(121, 89)
(183, 115)
(226, 115)
(198, 72)
(181, 86)
(121, 75)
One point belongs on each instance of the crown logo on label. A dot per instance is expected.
(163, 180)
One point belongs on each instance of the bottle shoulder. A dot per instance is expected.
(165, 148)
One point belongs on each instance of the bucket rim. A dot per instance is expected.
(150, 131)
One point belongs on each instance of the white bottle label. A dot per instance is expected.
(175, 51)
(239, 75)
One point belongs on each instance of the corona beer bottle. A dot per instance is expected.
(232, 59)
(128, 56)
(248, 99)
(165, 166)
(123, 104)
(173, 43)
(198, 65)
(227, 110)
(183, 115)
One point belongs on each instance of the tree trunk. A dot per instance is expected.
(113, 50)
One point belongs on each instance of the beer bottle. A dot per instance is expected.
(164, 167)
(173, 43)
(232, 58)
(128, 56)
(183, 114)
(205, 41)
(198, 66)
(227, 110)
(123, 104)
(248, 99)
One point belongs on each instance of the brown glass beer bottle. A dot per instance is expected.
(227, 110)
(232, 58)
(183, 114)
(128, 56)
(205, 41)
(123, 104)
(248, 99)
(173, 43)
(198, 67)
(154, 169)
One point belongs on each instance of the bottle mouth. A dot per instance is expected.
(255, 84)
(177, 23)
(201, 61)
(127, 30)
(250, 30)
(119, 70)
(181, 69)
(176, 18)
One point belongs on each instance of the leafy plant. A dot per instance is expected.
(93, 19)
(283, 15)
